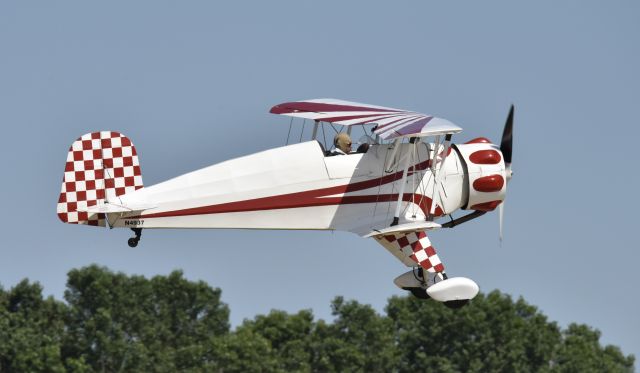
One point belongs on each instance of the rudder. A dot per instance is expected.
(100, 167)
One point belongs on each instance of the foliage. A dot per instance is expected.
(113, 322)
(119, 322)
(581, 352)
(31, 330)
(493, 333)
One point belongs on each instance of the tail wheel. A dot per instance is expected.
(133, 241)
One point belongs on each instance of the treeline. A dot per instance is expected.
(112, 322)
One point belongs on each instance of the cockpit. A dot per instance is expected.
(333, 140)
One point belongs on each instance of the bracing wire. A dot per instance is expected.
(375, 207)
(393, 189)
(104, 183)
(324, 137)
(289, 134)
(302, 132)
(393, 185)
(334, 129)
(410, 154)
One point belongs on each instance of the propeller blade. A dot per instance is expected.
(506, 145)
(501, 215)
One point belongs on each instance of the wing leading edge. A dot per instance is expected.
(391, 123)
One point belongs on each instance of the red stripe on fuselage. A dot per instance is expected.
(310, 198)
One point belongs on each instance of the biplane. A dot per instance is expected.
(405, 179)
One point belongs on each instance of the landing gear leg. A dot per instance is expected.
(133, 241)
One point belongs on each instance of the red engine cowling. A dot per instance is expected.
(484, 175)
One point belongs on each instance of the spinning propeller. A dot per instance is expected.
(506, 147)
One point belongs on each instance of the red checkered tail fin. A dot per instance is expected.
(413, 249)
(100, 167)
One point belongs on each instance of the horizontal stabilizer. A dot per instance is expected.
(404, 228)
(109, 208)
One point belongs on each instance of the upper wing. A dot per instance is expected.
(413, 249)
(392, 123)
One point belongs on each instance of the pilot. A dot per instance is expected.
(342, 144)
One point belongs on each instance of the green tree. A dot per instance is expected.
(31, 330)
(115, 322)
(289, 338)
(118, 322)
(580, 351)
(358, 340)
(495, 334)
(492, 334)
(245, 351)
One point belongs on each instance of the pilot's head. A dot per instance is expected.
(342, 141)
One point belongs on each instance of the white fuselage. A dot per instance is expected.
(297, 187)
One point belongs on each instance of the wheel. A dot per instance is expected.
(419, 293)
(133, 242)
(456, 304)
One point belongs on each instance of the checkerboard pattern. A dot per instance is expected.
(416, 246)
(100, 167)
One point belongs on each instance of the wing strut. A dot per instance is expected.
(408, 158)
(437, 166)
(436, 172)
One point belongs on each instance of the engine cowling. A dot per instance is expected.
(485, 176)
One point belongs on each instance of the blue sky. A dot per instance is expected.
(191, 84)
